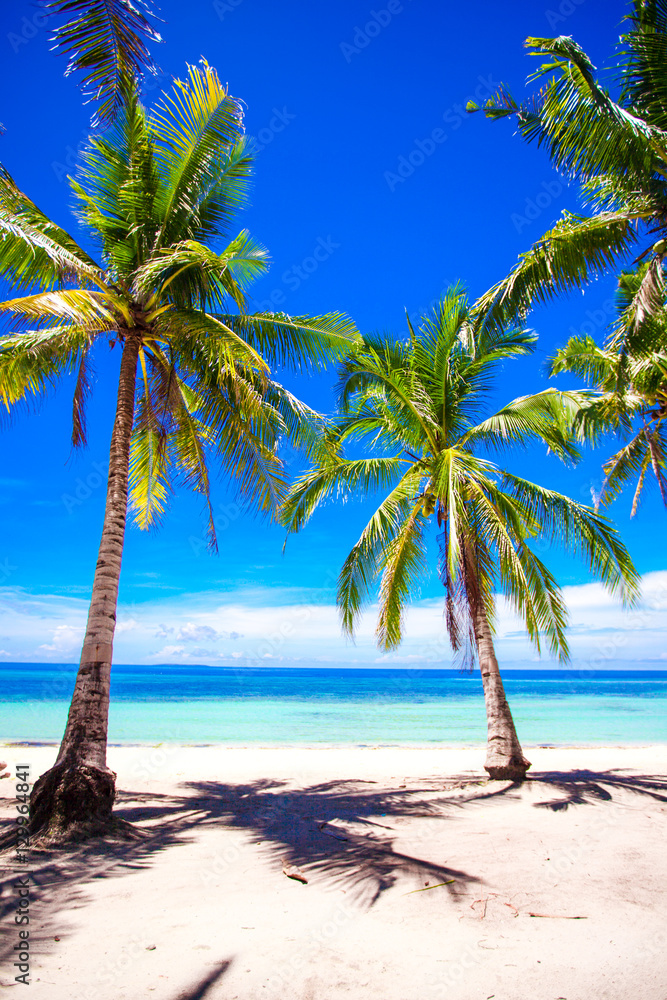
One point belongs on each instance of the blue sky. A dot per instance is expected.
(368, 158)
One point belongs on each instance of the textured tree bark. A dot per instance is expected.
(75, 797)
(504, 756)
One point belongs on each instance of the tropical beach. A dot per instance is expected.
(305, 869)
(333, 399)
(551, 888)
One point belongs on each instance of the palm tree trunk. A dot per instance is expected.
(75, 797)
(504, 756)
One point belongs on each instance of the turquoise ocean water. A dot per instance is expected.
(275, 706)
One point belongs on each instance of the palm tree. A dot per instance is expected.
(194, 381)
(421, 402)
(629, 376)
(615, 149)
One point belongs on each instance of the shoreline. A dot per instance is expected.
(150, 766)
(434, 746)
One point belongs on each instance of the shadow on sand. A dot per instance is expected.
(342, 830)
(200, 990)
(577, 788)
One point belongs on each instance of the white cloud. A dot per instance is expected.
(126, 625)
(66, 639)
(206, 628)
(196, 633)
(168, 651)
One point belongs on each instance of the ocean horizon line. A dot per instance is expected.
(555, 670)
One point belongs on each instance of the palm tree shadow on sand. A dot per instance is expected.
(201, 989)
(340, 831)
(346, 833)
(585, 787)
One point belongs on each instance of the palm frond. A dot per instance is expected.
(528, 585)
(586, 133)
(547, 416)
(337, 477)
(305, 428)
(299, 342)
(404, 560)
(363, 565)
(643, 54)
(192, 276)
(34, 251)
(581, 356)
(242, 426)
(117, 190)
(568, 256)
(200, 338)
(82, 392)
(84, 309)
(203, 158)
(581, 530)
(152, 445)
(649, 298)
(105, 40)
(32, 363)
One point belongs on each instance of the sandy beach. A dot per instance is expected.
(423, 879)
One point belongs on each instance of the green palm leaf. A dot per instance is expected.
(301, 342)
(194, 277)
(105, 40)
(32, 363)
(33, 249)
(576, 250)
(199, 144)
(404, 559)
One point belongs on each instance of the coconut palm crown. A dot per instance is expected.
(421, 404)
(616, 149)
(155, 193)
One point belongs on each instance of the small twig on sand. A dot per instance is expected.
(427, 887)
(557, 916)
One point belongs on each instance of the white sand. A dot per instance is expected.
(201, 908)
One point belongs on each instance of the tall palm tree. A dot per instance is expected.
(421, 402)
(615, 149)
(154, 192)
(629, 376)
